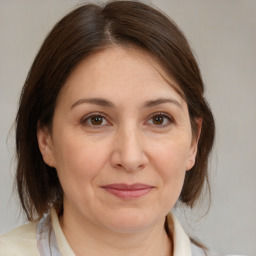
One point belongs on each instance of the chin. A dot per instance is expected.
(129, 221)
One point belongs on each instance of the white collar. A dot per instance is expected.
(181, 242)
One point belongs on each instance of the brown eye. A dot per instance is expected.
(96, 120)
(158, 120)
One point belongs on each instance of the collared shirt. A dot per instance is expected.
(46, 238)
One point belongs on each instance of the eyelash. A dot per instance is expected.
(164, 116)
(88, 118)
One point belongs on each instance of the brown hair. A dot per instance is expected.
(79, 34)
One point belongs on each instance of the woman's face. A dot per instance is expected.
(121, 141)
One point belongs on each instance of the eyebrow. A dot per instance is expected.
(105, 103)
(153, 103)
(96, 101)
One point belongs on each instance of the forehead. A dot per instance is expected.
(119, 70)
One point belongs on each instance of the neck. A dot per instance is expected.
(86, 238)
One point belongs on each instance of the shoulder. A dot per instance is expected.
(20, 241)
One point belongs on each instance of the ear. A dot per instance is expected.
(45, 145)
(194, 144)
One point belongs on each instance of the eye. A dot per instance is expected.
(160, 119)
(94, 120)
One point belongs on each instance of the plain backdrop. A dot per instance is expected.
(222, 34)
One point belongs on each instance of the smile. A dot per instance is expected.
(126, 191)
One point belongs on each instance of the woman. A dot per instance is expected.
(112, 130)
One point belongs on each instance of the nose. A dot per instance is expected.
(128, 150)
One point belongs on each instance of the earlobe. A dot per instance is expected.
(45, 145)
(190, 164)
(194, 145)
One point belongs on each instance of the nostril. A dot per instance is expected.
(141, 166)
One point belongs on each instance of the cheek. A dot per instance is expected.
(171, 157)
(170, 161)
(78, 162)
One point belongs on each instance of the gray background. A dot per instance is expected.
(223, 36)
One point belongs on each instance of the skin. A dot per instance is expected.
(129, 136)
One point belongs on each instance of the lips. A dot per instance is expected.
(126, 191)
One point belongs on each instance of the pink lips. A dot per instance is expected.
(126, 191)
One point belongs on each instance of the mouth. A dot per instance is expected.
(126, 191)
